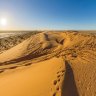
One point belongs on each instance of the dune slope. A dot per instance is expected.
(34, 80)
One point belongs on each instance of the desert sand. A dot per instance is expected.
(50, 64)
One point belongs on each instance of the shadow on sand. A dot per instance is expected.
(25, 58)
(69, 86)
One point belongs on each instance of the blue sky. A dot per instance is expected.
(49, 14)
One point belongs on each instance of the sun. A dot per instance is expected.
(3, 22)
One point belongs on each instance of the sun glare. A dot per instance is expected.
(3, 22)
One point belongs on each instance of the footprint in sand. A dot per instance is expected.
(57, 88)
(54, 94)
(58, 76)
(58, 72)
(62, 75)
(59, 80)
(63, 71)
(55, 82)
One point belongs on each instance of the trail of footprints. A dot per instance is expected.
(56, 83)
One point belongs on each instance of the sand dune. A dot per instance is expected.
(34, 80)
(50, 64)
(10, 39)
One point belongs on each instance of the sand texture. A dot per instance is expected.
(50, 64)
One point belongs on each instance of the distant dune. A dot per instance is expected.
(10, 39)
(48, 64)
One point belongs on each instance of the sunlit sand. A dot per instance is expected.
(49, 63)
